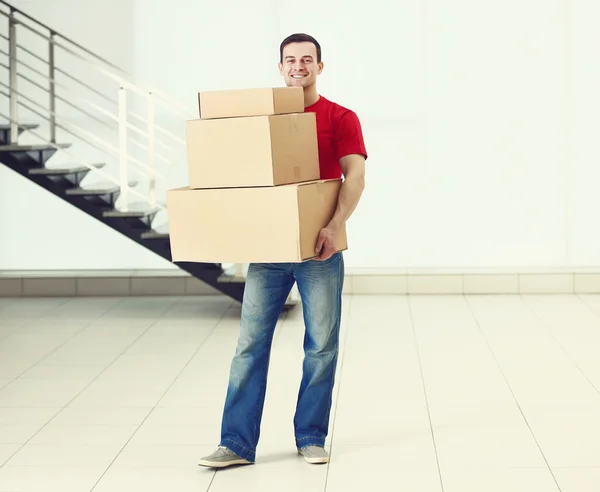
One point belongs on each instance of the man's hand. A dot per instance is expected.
(326, 243)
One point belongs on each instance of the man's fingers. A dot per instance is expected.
(322, 256)
(325, 255)
(320, 242)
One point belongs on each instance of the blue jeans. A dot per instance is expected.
(267, 288)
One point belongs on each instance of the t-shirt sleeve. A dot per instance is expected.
(348, 138)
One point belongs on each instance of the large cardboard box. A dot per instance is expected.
(247, 225)
(252, 151)
(250, 102)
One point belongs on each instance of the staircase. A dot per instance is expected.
(47, 98)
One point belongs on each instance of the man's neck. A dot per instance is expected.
(311, 96)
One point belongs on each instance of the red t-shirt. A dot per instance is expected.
(339, 134)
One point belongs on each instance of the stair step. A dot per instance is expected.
(158, 232)
(63, 170)
(131, 213)
(232, 279)
(155, 235)
(98, 197)
(93, 191)
(31, 148)
(22, 126)
(99, 189)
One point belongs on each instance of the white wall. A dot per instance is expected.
(102, 27)
(480, 120)
(37, 230)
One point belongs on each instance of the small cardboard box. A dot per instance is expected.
(250, 102)
(246, 225)
(252, 151)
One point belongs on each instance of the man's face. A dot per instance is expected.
(299, 67)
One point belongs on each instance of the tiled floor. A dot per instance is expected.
(435, 393)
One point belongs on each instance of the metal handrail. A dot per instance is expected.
(39, 86)
(83, 131)
(125, 77)
(157, 127)
(96, 170)
(101, 115)
(125, 82)
(78, 108)
(41, 24)
(101, 122)
(106, 113)
(63, 72)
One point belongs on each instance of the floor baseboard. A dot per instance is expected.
(399, 282)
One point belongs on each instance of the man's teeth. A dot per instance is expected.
(298, 76)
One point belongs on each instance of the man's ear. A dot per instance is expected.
(321, 65)
(280, 65)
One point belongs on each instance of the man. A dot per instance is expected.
(320, 281)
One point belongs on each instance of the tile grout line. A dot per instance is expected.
(414, 331)
(469, 307)
(211, 481)
(87, 385)
(206, 338)
(337, 401)
(562, 347)
(590, 308)
(69, 339)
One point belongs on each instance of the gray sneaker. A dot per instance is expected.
(221, 458)
(314, 454)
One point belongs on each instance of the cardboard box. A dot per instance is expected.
(247, 225)
(250, 102)
(252, 151)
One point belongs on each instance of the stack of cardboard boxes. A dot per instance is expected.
(254, 191)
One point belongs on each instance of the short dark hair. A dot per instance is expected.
(300, 38)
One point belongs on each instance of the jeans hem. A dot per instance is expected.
(309, 441)
(241, 451)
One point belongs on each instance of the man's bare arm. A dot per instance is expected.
(353, 168)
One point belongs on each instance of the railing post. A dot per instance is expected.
(52, 89)
(14, 102)
(151, 146)
(124, 205)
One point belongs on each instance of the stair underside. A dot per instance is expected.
(98, 200)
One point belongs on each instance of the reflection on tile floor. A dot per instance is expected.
(452, 393)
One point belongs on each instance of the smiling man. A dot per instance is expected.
(320, 281)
